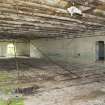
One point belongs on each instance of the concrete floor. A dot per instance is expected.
(66, 84)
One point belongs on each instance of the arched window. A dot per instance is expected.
(10, 50)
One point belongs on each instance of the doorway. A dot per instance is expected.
(10, 50)
(100, 51)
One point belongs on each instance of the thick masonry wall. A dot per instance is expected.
(78, 49)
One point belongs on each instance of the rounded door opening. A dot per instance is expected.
(10, 50)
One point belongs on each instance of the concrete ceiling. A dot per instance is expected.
(49, 18)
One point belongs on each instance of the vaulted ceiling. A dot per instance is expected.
(49, 18)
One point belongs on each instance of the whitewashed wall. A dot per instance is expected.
(79, 50)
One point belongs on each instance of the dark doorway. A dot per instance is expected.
(101, 50)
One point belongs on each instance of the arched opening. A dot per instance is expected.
(10, 50)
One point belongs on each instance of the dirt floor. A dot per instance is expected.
(55, 83)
